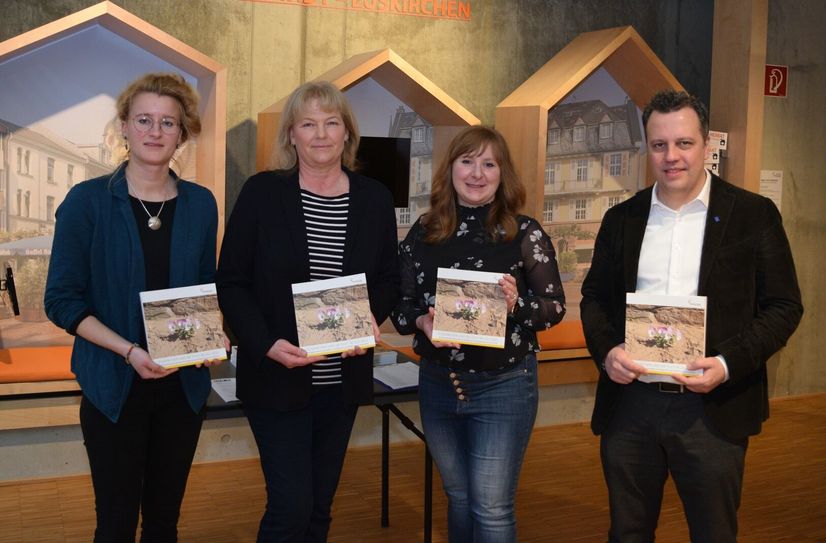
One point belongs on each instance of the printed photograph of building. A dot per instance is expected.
(595, 159)
(54, 135)
(37, 169)
(409, 124)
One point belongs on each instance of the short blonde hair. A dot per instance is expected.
(330, 98)
(165, 84)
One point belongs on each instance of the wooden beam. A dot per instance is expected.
(738, 61)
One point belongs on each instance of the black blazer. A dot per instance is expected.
(264, 251)
(747, 273)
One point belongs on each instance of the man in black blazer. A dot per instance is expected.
(690, 234)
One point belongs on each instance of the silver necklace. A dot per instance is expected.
(154, 221)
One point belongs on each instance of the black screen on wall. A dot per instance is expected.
(386, 160)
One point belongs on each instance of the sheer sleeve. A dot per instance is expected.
(541, 302)
(410, 306)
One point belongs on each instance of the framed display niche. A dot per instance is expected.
(575, 134)
(57, 128)
(390, 98)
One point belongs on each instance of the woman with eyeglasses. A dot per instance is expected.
(140, 228)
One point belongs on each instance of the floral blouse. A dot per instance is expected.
(529, 257)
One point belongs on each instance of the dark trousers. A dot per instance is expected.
(302, 453)
(654, 434)
(141, 462)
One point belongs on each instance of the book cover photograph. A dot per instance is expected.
(333, 315)
(664, 333)
(183, 325)
(470, 308)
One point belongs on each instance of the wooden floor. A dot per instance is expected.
(561, 496)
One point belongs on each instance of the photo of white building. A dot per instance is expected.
(595, 159)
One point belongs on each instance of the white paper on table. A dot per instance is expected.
(396, 376)
(225, 388)
(384, 358)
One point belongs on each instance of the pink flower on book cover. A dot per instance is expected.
(664, 336)
(183, 328)
(470, 310)
(333, 317)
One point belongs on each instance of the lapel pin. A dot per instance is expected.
(716, 218)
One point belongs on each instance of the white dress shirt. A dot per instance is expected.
(672, 248)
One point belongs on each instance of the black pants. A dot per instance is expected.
(141, 462)
(654, 434)
(302, 453)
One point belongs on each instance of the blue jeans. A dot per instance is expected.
(302, 453)
(477, 426)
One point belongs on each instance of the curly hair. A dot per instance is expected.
(330, 98)
(669, 100)
(165, 84)
(440, 222)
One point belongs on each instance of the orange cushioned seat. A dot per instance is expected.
(565, 335)
(404, 350)
(30, 364)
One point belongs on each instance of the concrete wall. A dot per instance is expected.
(269, 49)
(794, 141)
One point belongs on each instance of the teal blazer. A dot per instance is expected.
(97, 268)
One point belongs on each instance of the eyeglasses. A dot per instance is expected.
(145, 123)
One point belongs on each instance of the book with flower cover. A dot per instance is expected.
(333, 315)
(665, 333)
(470, 308)
(183, 325)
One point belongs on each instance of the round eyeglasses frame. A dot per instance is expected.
(145, 123)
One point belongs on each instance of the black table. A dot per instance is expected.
(385, 399)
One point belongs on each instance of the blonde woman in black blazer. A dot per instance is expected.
(301, 416)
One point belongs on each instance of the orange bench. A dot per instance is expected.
(565, 335)
(564, 345)
(565, 341)
(32, 364)
(37, 388)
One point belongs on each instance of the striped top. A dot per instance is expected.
(325, 219)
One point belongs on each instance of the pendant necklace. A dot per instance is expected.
(154, 222)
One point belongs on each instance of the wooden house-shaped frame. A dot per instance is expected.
(522, 117)
(429, 103)
(114, 22)
(211, 76)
